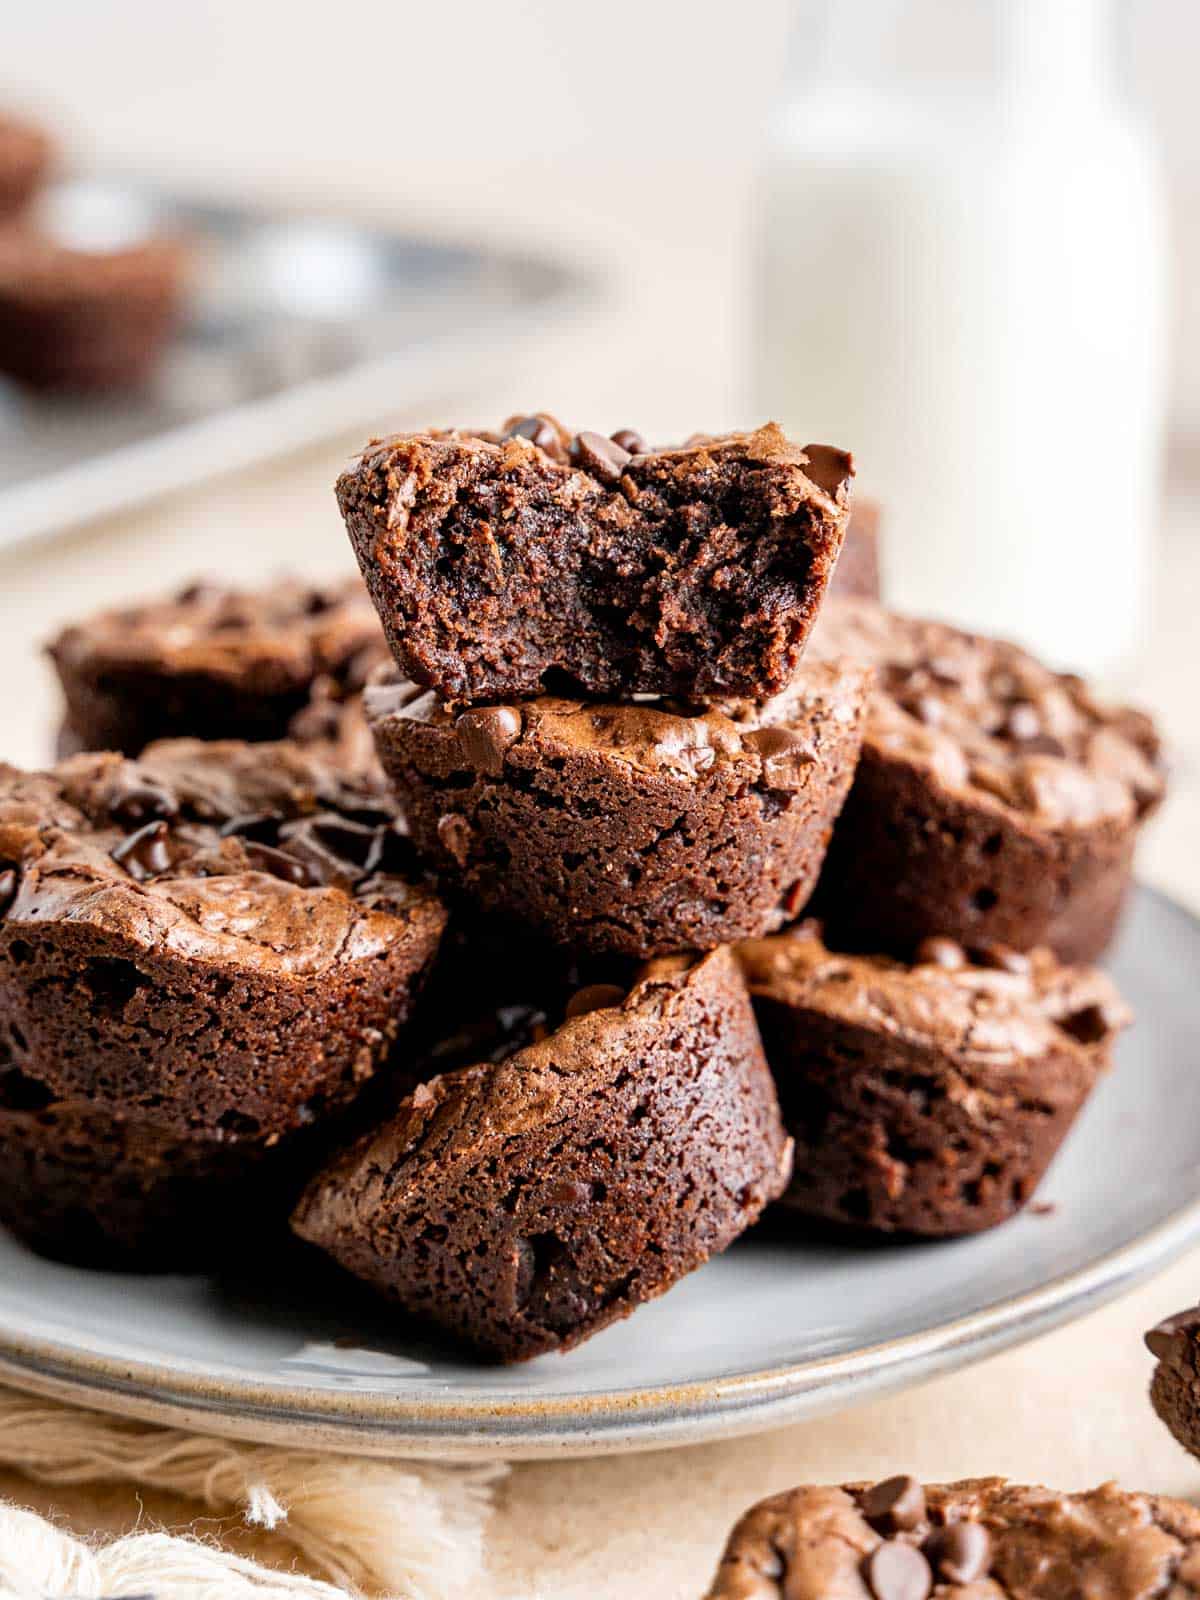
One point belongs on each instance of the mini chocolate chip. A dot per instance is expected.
(1088, 1025)
(265, 858)
(484, 735)
(1163, 1339)
(8, 888)
(961, 1552)
(202, 589)
(897, 1571)
(594, 997)
(322, 719)
(318, 601)
(539, 431)
(896, 1505)
(630, 439)
(134, 798)
(829, 468)
(599, 456)
(1022, 721)
(1001, 957)
(569, 1192)
(941, 952)
(146, 853)
(454, 836)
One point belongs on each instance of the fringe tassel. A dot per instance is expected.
(413, 1530)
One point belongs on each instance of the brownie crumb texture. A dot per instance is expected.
(507, 565)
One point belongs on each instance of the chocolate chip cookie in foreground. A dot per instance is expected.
(507, 565)
(202, 954)
(981, 1539)
(526, 1203)
(925, 1097)
(640, 828)
(1175, 1386)
(996, 800)
(214, 662)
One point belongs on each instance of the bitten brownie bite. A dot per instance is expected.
(502, 567)
(86, 320)
(995, 802)
(526, 1203)
(1175, 1386)
(925, 1097)
(213, 662)
(202, 954)
(25, 156)
(982, 1539)
(640, 828)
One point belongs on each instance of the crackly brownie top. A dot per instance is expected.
(284, 635)
(979, 1005)
(981, 1539)
(501, 561)
(252, 854)
(774, 743)
(527, 1074)
(987, 718)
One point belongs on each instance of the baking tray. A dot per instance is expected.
(299, 325)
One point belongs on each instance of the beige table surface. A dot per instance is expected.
(1069, 1409)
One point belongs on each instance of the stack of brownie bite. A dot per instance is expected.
(483, 997)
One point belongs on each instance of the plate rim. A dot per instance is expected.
(610, 1421)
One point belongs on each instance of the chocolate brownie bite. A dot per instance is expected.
(857, 571)
(641, 828)
(26, 153)
(86, 321)
(288, 659)
(981, 1539)
(203, 955)
(996, 801)
(1175, 1386)
(505, 567)
(524, 1203)
(926, 1097)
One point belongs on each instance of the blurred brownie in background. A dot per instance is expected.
(26, 155)
(218, 662)
(857, 571)
(86, 320)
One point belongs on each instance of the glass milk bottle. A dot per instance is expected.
(960, 279)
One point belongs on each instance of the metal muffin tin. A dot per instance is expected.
(298, 325)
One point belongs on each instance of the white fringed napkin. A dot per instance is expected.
(405, 1529)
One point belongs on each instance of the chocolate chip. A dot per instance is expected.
(897, 1571)
(146, 853)
(200, 590)
(1163, 1340)
(960, 1552)
(260, 825)
(594, 997)
(539, 431)
(1002, 958)
(830, 469)
(393, 853)
(941, 952)
(600, 456)
(569, 1192)
(289, 868)
(896, 1505)
(135, 798)
(8, 888)
(484, 735)
(784, 755)
(1022, 721)
(630, 439)
(1088, 1025)
(454, 836)
(320, 720)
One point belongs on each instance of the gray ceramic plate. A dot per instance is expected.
(773, 1331)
